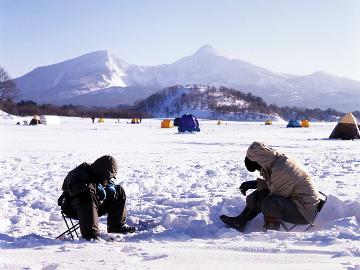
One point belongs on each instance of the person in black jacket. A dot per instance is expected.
(89, 192)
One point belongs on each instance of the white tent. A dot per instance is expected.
(50, 120)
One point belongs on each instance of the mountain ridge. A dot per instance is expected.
(79, 80)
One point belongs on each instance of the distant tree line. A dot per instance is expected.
(29, 107)
(294, 113)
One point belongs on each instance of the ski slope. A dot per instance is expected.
(178, 185)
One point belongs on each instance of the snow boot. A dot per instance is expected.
(91, 237)
(122, 229)
(239, 222)
(272, 223)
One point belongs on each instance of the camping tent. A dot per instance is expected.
(346, 129)
(219, 122)
(305, 123)
(135, 121)
(294, 124)
(268, 122)
(188, 122)
(101, 120)
(35, 120)
(50, 120)
(176, 122)
(166, 123)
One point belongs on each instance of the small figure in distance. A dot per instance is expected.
(93, 119)
(89, 192)
(285, 193)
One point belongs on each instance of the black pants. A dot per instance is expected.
(87, 209)
(274, 206)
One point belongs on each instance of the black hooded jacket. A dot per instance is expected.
(86, 176)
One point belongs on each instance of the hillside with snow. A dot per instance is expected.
(101, 79)
(207, 103)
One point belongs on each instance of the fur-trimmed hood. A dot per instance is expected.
(264, 155)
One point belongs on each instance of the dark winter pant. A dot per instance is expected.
(87, 209)
(274, 206)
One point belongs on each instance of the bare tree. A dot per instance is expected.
(8, 90)
(178, 108)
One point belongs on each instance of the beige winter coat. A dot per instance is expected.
(283, 176)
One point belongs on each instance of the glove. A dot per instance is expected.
(100, 192)
(245, 186)
(110, 189)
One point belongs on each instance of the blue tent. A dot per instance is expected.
(294, 124)
(176, 122)
(188, 122)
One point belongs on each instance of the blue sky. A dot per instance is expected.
(297, 37)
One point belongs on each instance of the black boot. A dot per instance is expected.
(239, 222)
(91, 237)
(122, 229)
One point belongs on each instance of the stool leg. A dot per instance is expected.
(71, 229)
(67, 225)
(76, 226)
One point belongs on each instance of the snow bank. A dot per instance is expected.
(5, 115)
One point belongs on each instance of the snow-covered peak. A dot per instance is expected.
(103, 53)
(206, 50)
(322, 75)
(86, 73)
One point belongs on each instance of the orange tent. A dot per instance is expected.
(166, 123)
(305, 123)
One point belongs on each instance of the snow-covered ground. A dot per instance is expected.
(178, 184)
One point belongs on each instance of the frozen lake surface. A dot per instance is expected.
(179, 184)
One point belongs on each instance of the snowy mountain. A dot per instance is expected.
(91, 79)
(207, 103)
(100, 78)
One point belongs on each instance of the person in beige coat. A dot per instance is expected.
(284, 193)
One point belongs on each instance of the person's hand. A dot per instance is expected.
(100, 192)
(110, 189)
(245, 186)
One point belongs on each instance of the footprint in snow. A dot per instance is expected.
(52, 266)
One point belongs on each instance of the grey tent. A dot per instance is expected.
(347, 128)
